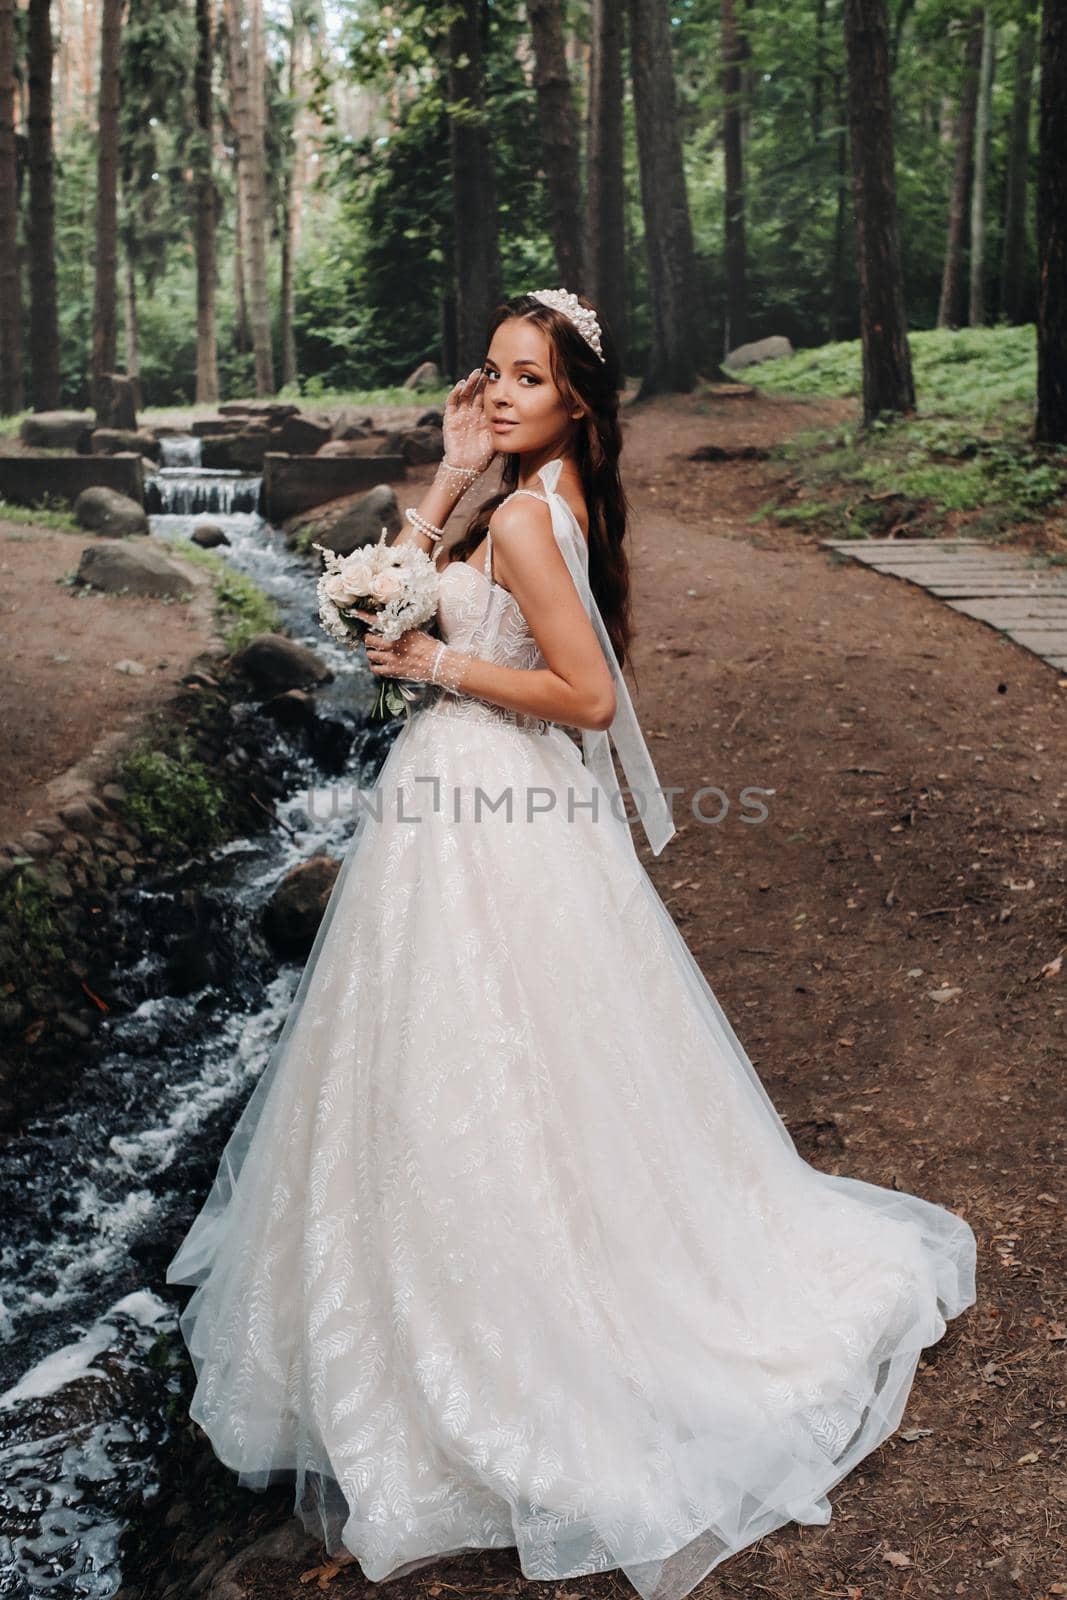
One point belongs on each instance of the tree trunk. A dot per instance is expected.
(887, 377)
(950, 309)
(300, 48)
(1013, 285)
(41, 219)
(676, 330)
(837, 266)
(981, 170)
(11, 386)
(478, 283)
(606, 204)
(243, 327)
(735, 329)
(247, 73)
(1051, 421)
(207, 365)
(133, 342)
(107, 166)
(559, 140)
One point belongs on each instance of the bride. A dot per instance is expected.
(509, 1246)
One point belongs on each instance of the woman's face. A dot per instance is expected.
(519, 390)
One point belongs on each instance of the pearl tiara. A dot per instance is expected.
(583, 318)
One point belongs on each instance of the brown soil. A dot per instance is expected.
(64, 697)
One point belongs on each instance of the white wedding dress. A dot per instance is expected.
(510, 1246)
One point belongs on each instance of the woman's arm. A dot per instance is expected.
(575, 688)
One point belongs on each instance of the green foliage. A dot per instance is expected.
(965, 461)
(171, 797)
(243, 609)
(31, 937)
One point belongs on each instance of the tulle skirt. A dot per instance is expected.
(509, 1246)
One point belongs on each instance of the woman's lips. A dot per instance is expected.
(503, 425)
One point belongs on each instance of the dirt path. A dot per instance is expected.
(914, 847)
(64, 693)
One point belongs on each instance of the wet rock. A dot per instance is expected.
(115, 793)
(275, 663)
(348, 424)
(362, 521)
(115, 566)
(293, 709)
(300, 436)
(425, 376)
(422, 446)
(33, 843)
(348, 447)
(79, 815)
(208, 535)
(73, 1025)
(109, 441)
(57, 430)
(242, 452)
(294, 911)
(107, 511)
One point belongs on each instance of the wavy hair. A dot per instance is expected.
(582, 379)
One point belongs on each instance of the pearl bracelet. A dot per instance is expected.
(424, 525)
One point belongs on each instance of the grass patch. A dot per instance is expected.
(53, 512)
(965, 464)
(172, 797)
(241, 606)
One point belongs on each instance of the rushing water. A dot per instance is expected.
(94, 1193)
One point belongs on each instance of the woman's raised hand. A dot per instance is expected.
(468, 438)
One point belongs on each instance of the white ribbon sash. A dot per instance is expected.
(625, 730)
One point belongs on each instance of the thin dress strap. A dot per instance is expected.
(489, 536)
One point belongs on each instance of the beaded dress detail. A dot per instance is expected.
(510, 1246)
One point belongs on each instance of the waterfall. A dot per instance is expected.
(178, 492)
(180, 450)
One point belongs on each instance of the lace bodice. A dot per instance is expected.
(480, 617)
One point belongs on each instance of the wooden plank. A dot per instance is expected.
(1041, 643)
(999, 609)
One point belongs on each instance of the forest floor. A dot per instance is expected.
(887, 942)
(83, 669)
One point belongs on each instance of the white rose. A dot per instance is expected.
(386, 586)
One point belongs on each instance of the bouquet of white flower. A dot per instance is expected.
(398, 583)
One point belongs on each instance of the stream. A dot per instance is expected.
(97, 1193)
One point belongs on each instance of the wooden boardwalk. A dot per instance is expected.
(1020, 595)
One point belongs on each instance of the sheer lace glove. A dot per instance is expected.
(468, 438)
(416, 657)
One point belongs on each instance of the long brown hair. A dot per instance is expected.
(582, 379)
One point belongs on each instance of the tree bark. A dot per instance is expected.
(478, 282)
(206, 200)
(11, 384)
(981, 171)
(300, 60)
(733, 51)
(131, 329)
(1051, 421)
(887, 377)
(559, 141)
(1014, 289)
(107, 165)
(41, 220)
(676, 332)
(247, 73)
(950, 310)
(605, 183)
